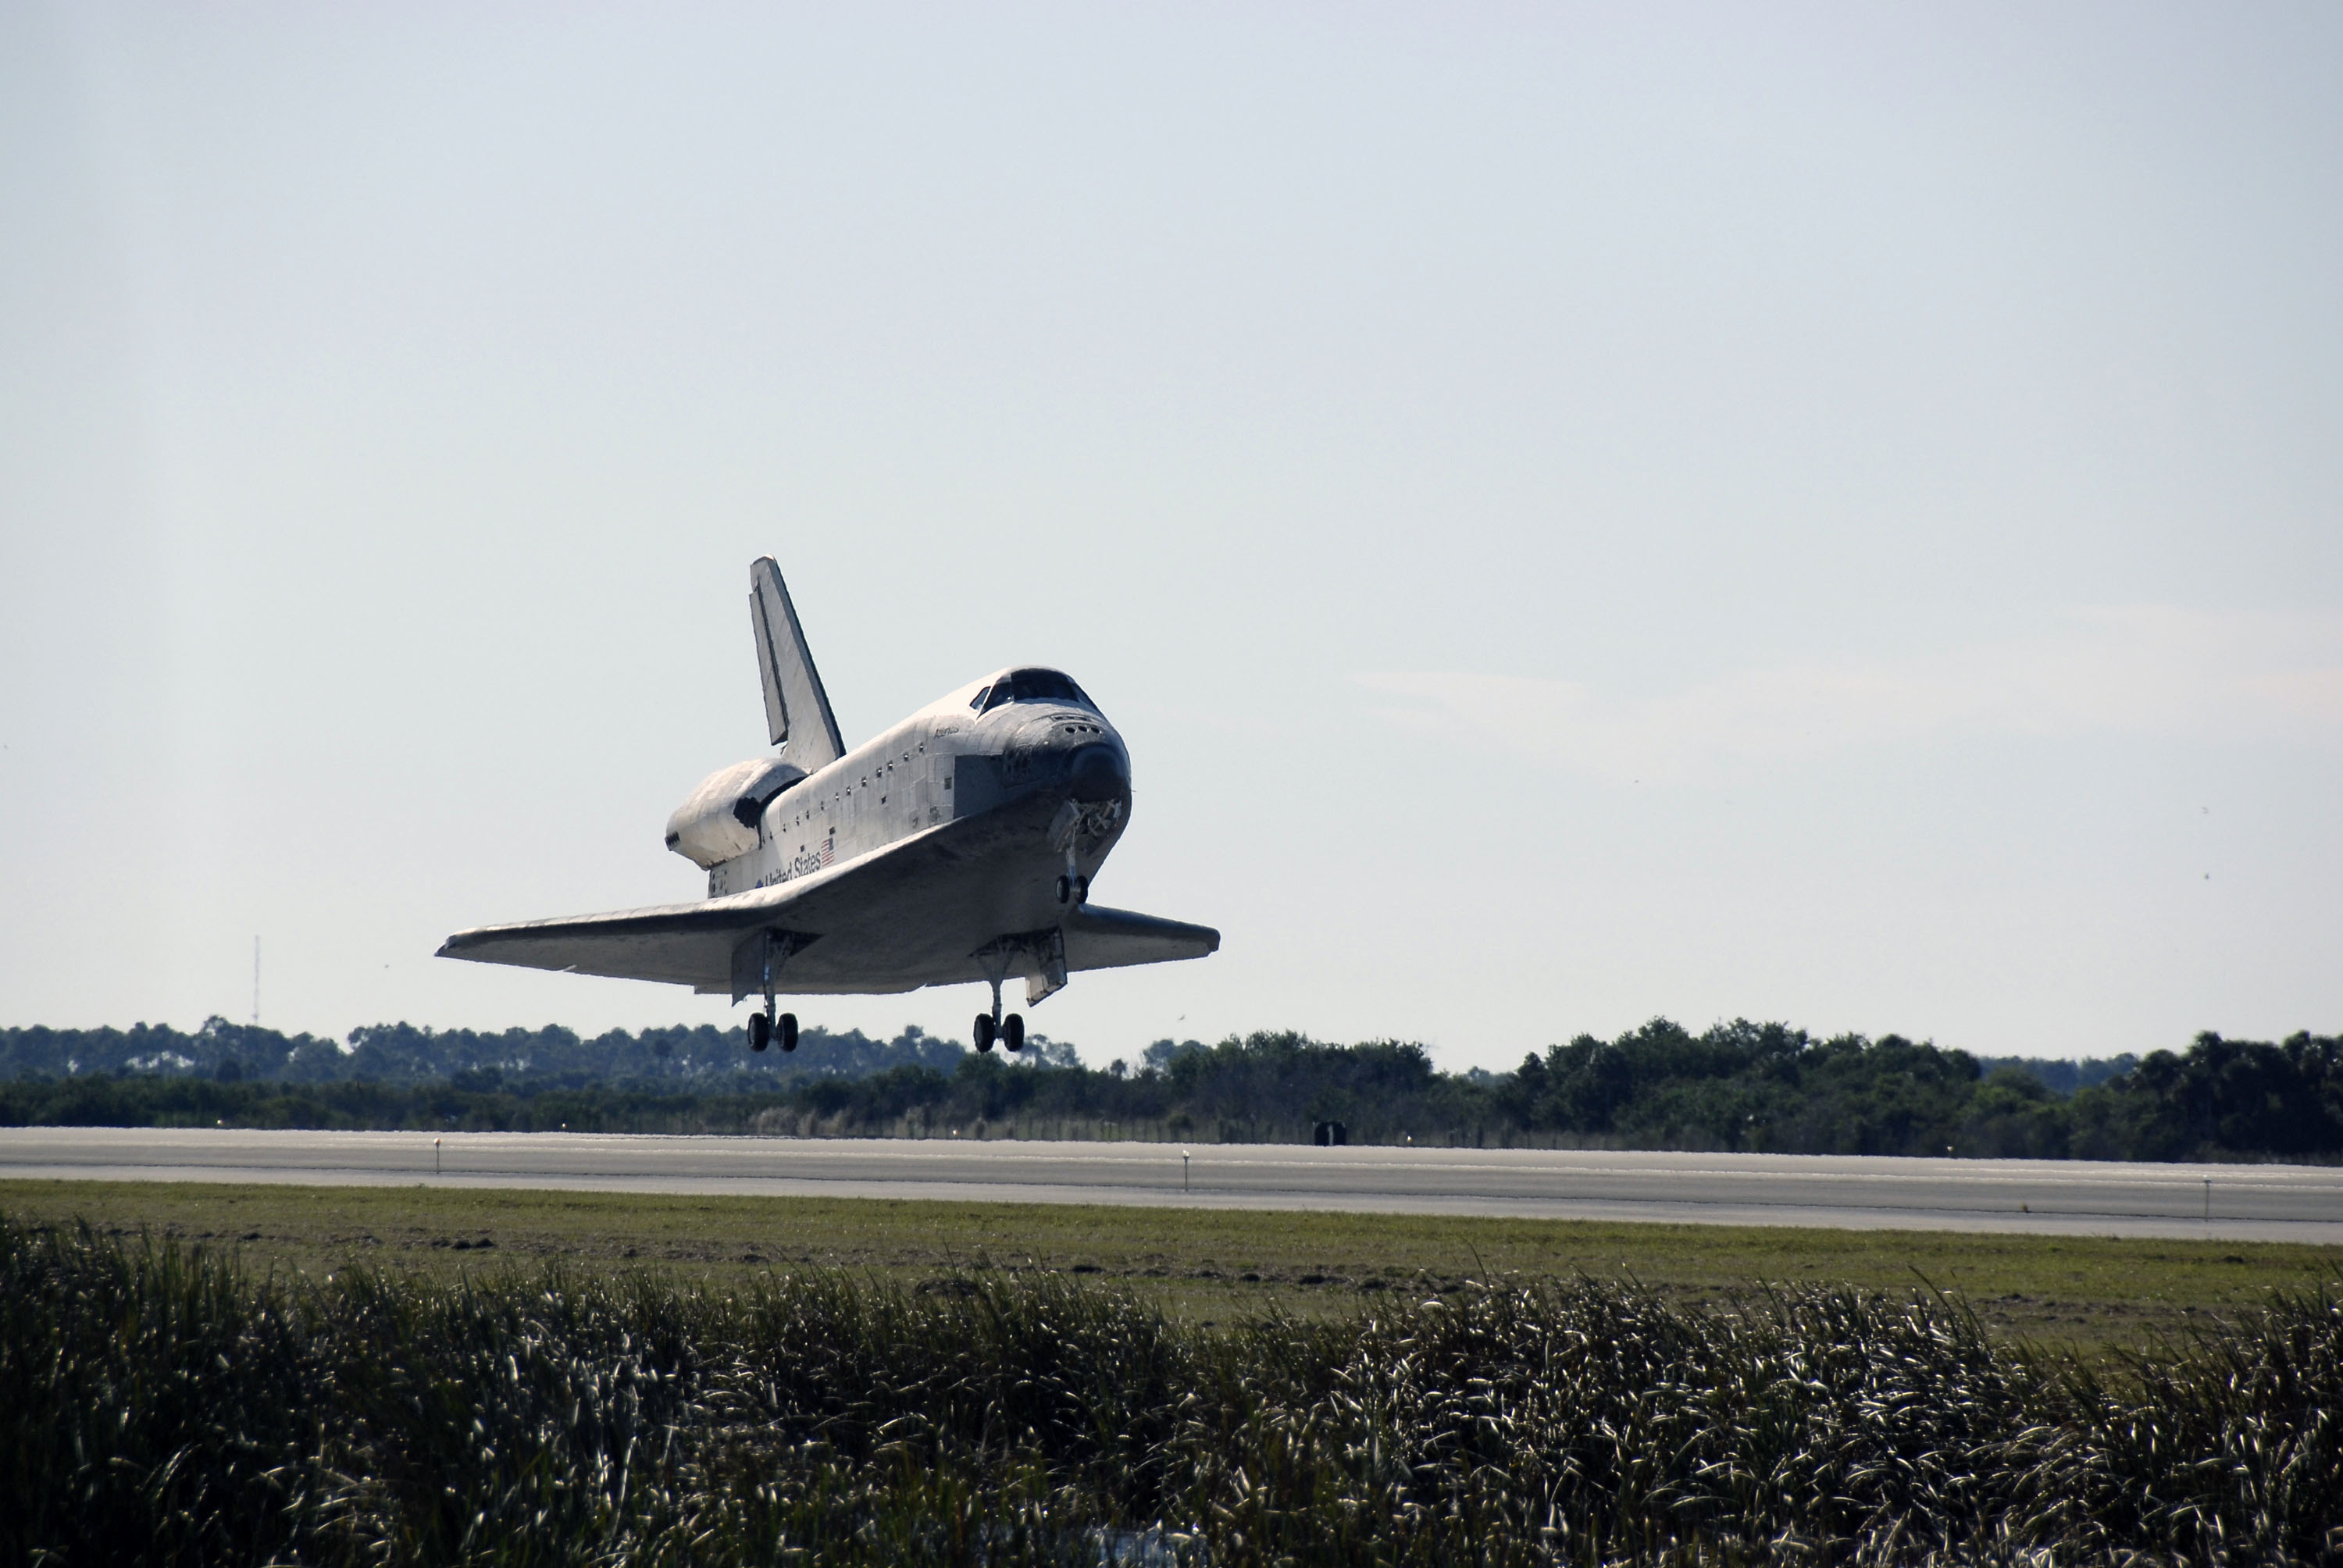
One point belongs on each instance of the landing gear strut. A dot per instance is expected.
(992, 1026)
(772, 950)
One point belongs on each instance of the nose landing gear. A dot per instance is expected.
(1073, 887)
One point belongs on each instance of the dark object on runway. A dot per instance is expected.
(1330, 1135)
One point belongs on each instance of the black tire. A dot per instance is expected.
(1065, 889)
(761, 1031)
(1012, 1031)
(1081, 889)
(984, 1031)
(788, 1031)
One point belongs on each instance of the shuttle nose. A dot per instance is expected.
(1099, 772)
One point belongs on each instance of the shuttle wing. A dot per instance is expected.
(910, 915)
(682, 944)
(694, 944)
(1099, 938)
(796, 710)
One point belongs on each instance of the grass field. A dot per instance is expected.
(161, 1402)
(1202, 1265)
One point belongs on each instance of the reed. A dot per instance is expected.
(160, 1405)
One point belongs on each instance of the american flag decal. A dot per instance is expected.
(828, 842)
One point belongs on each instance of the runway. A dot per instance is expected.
(2241, 1202)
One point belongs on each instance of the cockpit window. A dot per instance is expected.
(1034, 686)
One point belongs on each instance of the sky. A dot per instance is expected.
(1829, 514)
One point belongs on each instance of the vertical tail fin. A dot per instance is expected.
(796, 710)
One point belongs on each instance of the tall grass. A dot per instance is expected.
(157, 1404)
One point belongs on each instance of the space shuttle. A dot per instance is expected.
(957, 847)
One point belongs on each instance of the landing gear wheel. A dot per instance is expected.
(1012, 1031)
(1065, 889)
(760, 1031)
(984, 1031)
(1081, 889)
(788, 1031)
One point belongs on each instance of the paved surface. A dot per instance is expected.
(2247, 1202)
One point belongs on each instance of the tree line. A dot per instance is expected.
(401, 1053)
(1736, 1086)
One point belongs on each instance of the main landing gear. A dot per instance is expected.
(991, 1025)
(763, 1027)
(1010, 1031)
(774, 949)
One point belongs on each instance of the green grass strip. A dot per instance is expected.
(2091, 1293)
